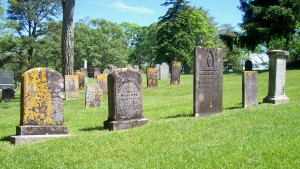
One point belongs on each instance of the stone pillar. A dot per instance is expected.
(85, 64)
(277, 73)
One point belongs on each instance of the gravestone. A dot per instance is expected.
(208, 78)
(250, 89)
(42, 106)
(125, 100)
(7, 79)
(175, 73)
(157, 66)
(96, 72)
(71, 87)
(106, 71)
(186, 68)
(93, 96)
(277, 74)
(102, 82)
(152, 77)
(129, 66)
(8, 94)
(81, 80)
(136, 67)
(84, 70)
(85, 64)
(163, 71)
(112, 68)
(248, 65)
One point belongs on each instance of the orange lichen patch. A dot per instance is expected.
(152, 70)
(37, 98)
(176, 64)
(102, 77)
(72, 86)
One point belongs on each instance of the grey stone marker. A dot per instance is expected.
(84, 70)
(157, 66)
(152, 77)
(97, 71)
(112, 68)
(208, 78)
(106, 71)
(164, 71)
(175, 73)
(125, 100)
(8, 94)
(7, 79)
(250, 89)
(93, 96)
(277, 74)
(42, 106)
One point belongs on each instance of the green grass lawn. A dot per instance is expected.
(265, 136)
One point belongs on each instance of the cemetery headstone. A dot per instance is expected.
(250, 89)
(136, 67)
(157, 66)
(106, 71)
(96, 72)
(8, 94)
(102, 82)
(129, 66)
(248, 65)
(112, 68)
(163, 71)
(84, 70)
(93, 96)
(125, 100)
(85, 64)
(277, 74)
(42, 106)
(152, 77)
(208, 79)
(81, 80)
(175, 73)
(71, 87)
(7, 79)
(186, 68)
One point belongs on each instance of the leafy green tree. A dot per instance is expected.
(267, 20)
(30, 19)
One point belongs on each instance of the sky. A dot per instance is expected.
(145, 12)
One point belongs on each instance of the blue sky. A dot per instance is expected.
(145, 12)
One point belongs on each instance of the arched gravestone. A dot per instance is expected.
(152, 77)
(125, 100)
(208, 79)
(163, 71)
(175, 73)
(248, 65)
(93, 96)
(96, 72)
(42, 106)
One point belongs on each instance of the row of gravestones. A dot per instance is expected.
(42, 93)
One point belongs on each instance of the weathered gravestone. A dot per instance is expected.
(186, 68)
(175, 73)
(93, 96)
(81, 80)
(106, 71)
(112, 68)
(102, 82)
(71, 87)
(42, 106)
(152, 77)
(157, 66)
(125, 100)
(7, 79)
(163, 71)
(250, 89)
(96, 72)
(277, 73)
(248, 65)
(136, 67)
(8, 94)
(84, 70)
(208, 77)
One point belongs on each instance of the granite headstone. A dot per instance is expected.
(102, 82)
(175, 73)
(71, 87)
(250, 89)
(7, 79)
(152, 77)
(164, 71)
(93, 96)
(96, 72)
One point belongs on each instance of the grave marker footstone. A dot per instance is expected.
(71, 87)
(152, 77)
(42, 106)
(277, 74)
(250, 89)
(7, 79)
(8, 94)
(175, 73)
(96, 72)
(163, 71)
(93, 96)
(208, 78)
(102, 82)
(125, 100)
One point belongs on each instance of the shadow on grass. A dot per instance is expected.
(5, 139)
(177, 116)
(98, 128)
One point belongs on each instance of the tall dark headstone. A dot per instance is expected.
(93, 96)
(152, 77)
(250, 89)
(277, 74)
(42, 106)
(125, 100)
(96, 72)
(186, 68)
(8, 94)
(175, 73)
(248, 65)
(208, 79)
(7, 79)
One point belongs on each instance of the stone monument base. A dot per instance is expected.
(41, 130)
(276, 99)
(124, 124)
(31, 138)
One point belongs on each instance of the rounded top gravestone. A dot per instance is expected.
(248, 65)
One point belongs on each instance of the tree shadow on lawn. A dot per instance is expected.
(97, 128)
(177, 116)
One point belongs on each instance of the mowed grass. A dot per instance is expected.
(265, 136)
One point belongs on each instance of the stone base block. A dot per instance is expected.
(124, 124)
(276, 100)
(41, 130)
(32, 138)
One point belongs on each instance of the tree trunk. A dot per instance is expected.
(67, 44)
